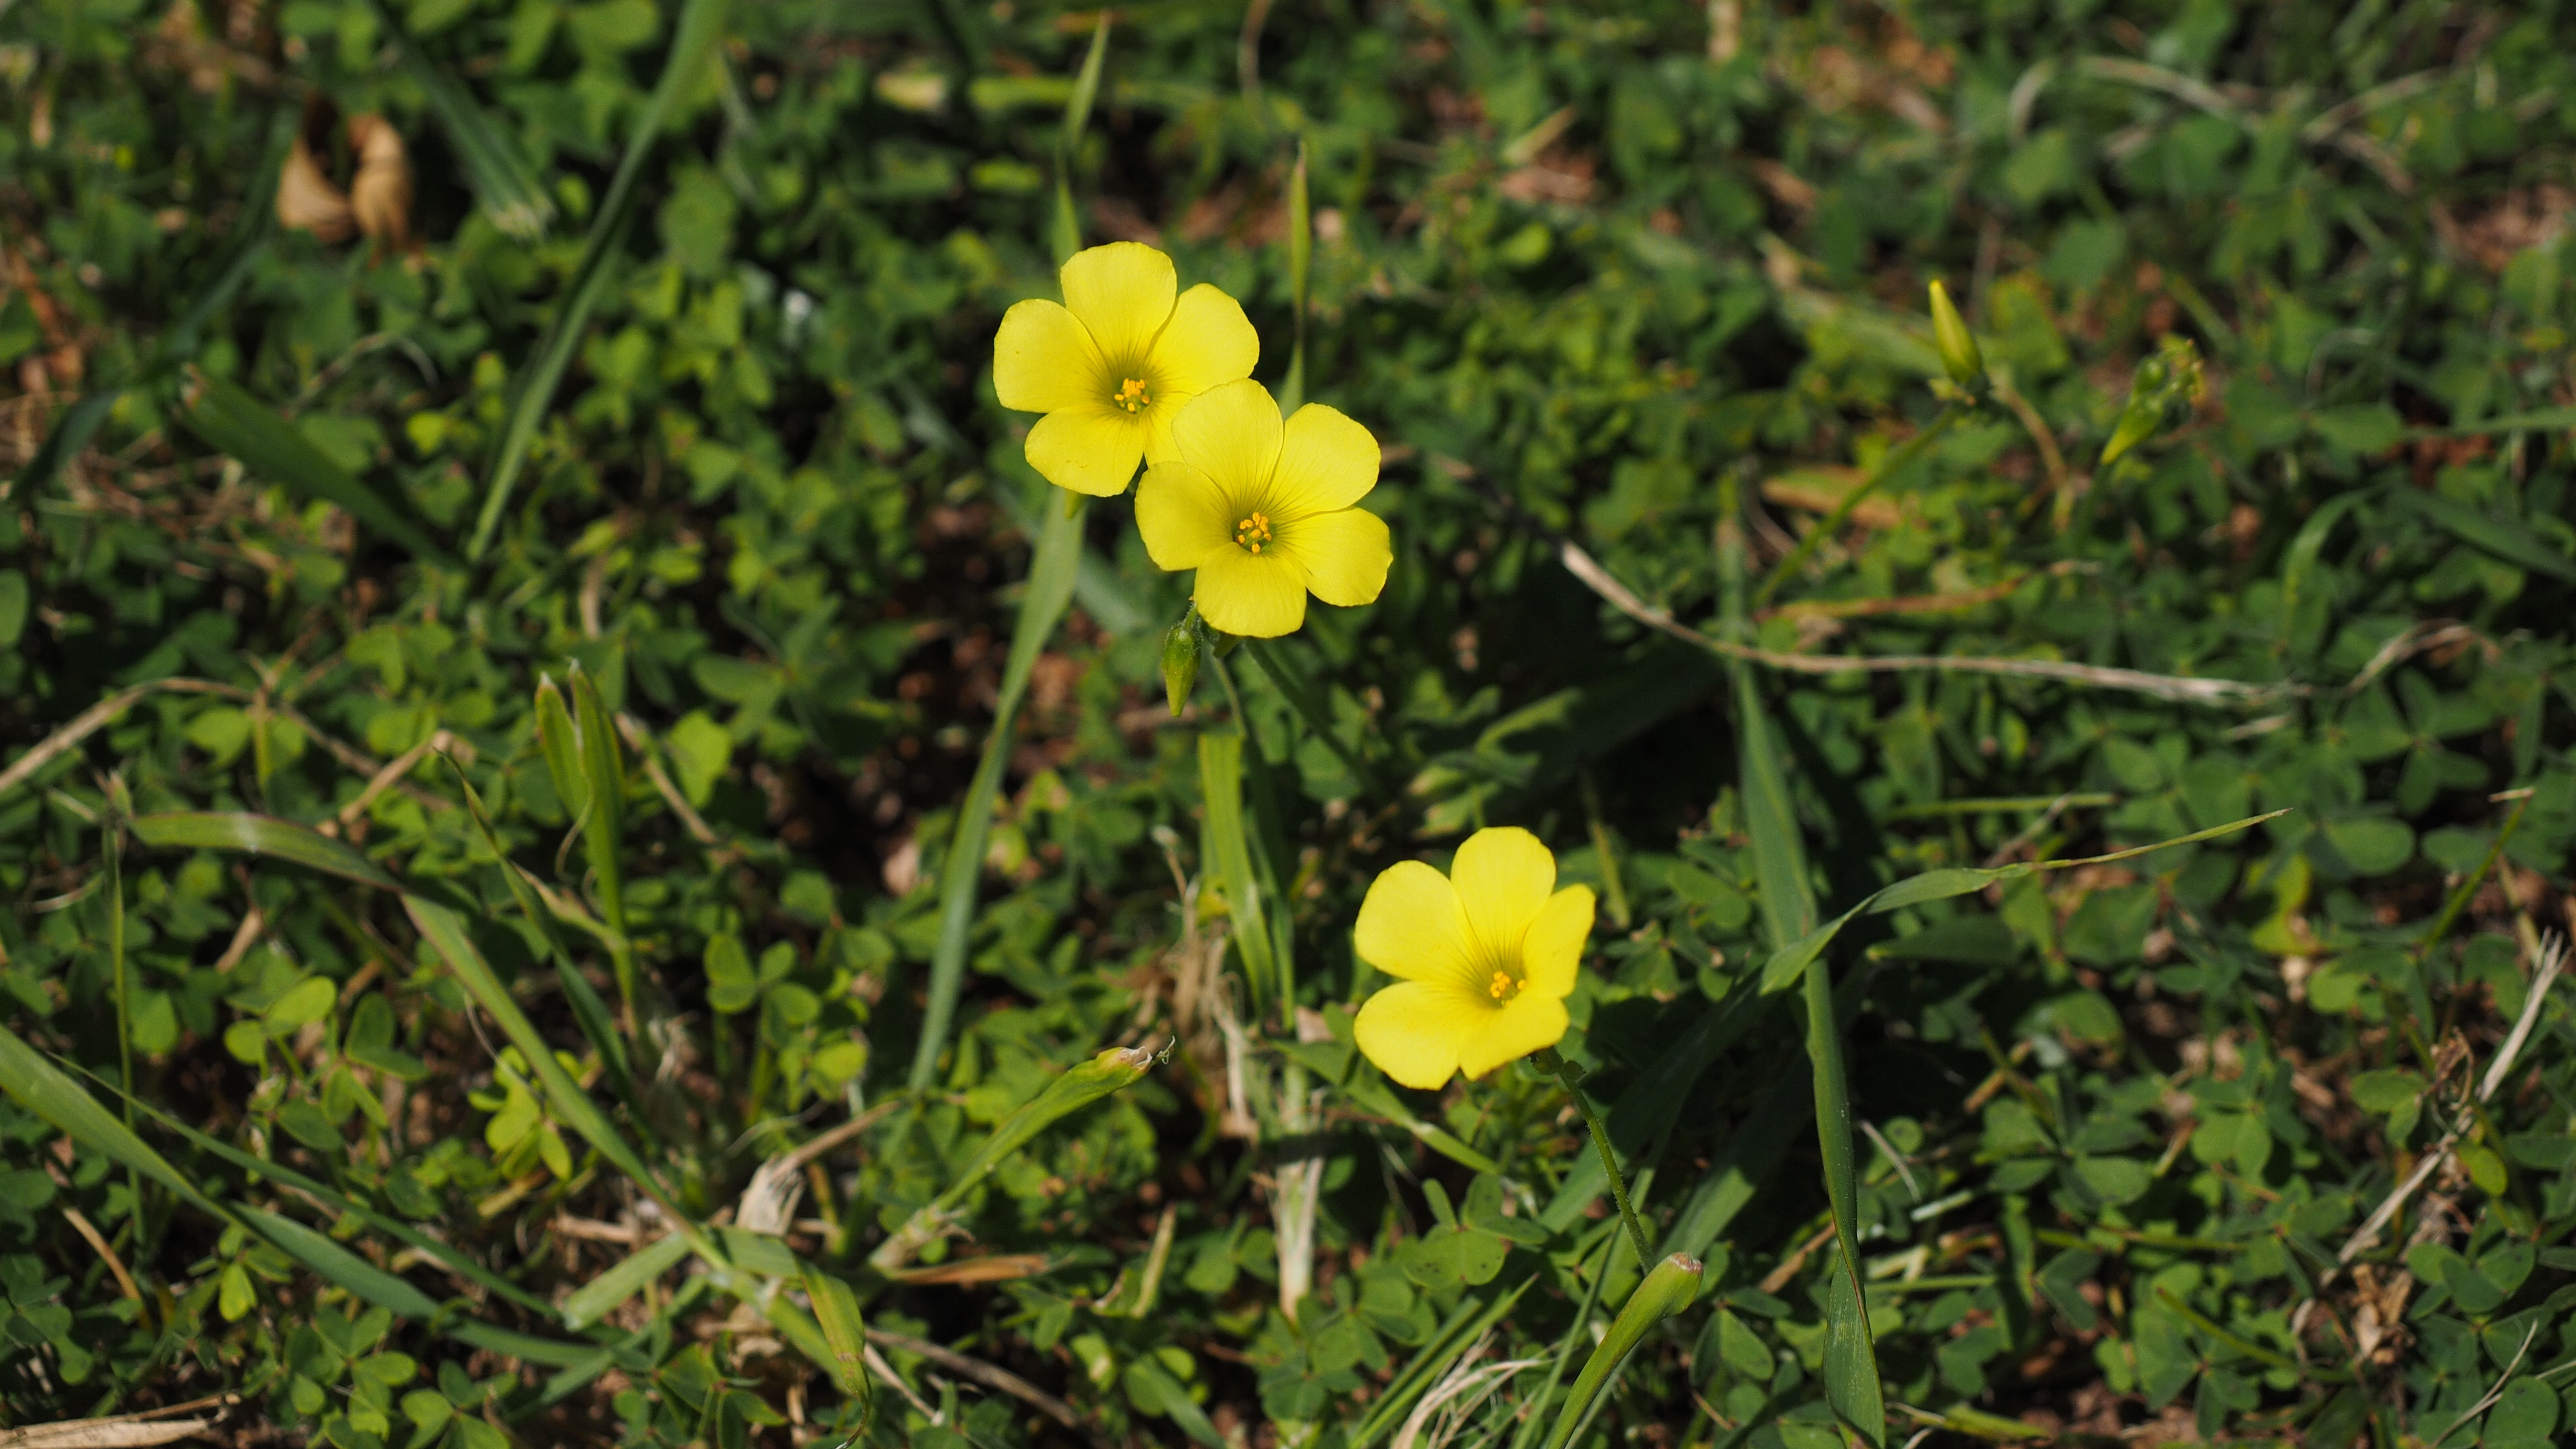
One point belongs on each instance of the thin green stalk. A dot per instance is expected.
(1050, 589)
(1572, 1076)
(115, 867)
(1285, 678)
(1887, 468)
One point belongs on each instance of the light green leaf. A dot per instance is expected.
(258, 835)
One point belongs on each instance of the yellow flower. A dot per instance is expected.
(1112, 365)
(1486, 955)
(1265, 511)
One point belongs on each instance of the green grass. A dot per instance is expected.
(486, 728)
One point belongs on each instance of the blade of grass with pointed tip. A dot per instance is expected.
(239, 426)
(1230, 853)
(701, 25)
(36, 1084)
(503, 183)
(1103, 1074)
(1077, 117)
(1467, 1325)
(258, 835)
(341, 1268)
(836, 1312)
(587, 1009)
(445, 932)
(446, 1257)
(599, 1297)
(603, 775)
(1301, 252)
(1042, 606)
(1665, 1291)
(1787, 962)
(557, 742)
(1789, 912)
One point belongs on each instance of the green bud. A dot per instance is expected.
(1959, 354)
(2161, 395)
(1665, 1291)
(1180, 661)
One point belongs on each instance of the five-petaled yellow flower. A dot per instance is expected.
(1266, 511)
(1111, 366)
(1486, 955)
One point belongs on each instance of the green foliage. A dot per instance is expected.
(837, 889)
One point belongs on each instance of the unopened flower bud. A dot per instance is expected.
(1959, 354)
(1180, 663)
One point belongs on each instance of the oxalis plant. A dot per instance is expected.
(796, 1170)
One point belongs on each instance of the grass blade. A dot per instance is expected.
(36, 1084)
(502, 181)
(599, 1297)
(445, 931)
(447, 1257)
(1108, 1072)
(1301, 253)
(701, 23)
(1665, 1291)
(1077, 117)
(258, 835)
(240, 427)
(603, 784)
(1741, 1167)
(341, 1268)
(1050, 589)
(587, 1008)
(1229, 851)
(836, 1312)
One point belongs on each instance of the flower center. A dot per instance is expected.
(1253, 531)
(1131, 395)
(1503, 987)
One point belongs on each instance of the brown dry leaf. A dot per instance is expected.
(1821, 490)
(93, 1434)
(996, 1268)
(306, 199)
(381, 194)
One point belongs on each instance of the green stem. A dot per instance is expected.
(1050, 589)
(1887, 468)
(1284, 677)
(115, 866)
(1571, 1075)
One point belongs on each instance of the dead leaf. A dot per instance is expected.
(381, 195)
(307, 200)
(94, 1434)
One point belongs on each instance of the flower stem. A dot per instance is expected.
(1887, 468)
(1572, 1076)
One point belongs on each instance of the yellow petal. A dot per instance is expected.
(1123, 293)
(1259, 596)
(1090, 449)
(1525, 1023)
(1043, 360)
(1412, 927)
(1552, 950)
(1344, 554)
(1182, 515)
(1326, 462)
(1231, 433)
(1415, 1030)
(1503, 876)
(1208, 342)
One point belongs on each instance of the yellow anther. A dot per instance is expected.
(1503, 987)
(1131, 395)
(1253, 532)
